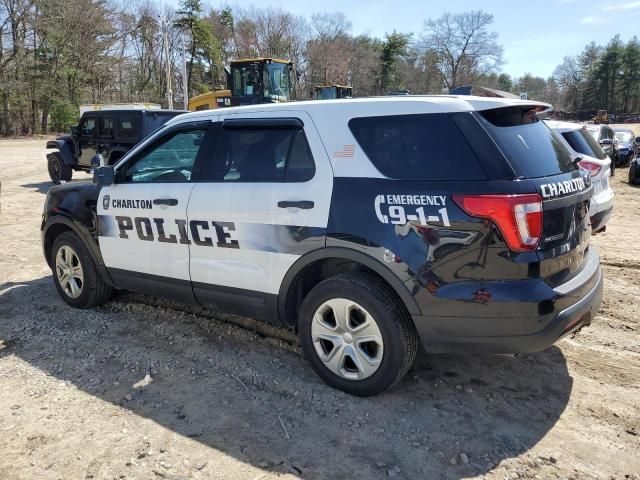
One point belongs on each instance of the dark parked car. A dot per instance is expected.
(110, 132)
(626, 143)
(605, 136)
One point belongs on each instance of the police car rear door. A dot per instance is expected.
(266, 204)
(144, 233)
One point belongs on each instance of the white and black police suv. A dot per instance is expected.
(366, 225)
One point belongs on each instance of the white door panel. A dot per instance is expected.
(243, 269)
(137, 235)
(269, 238)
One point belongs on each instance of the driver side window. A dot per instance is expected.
(170, 159)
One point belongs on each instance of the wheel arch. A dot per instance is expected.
(60, 224)
(333, 259)
(116, 154)
(65, 149)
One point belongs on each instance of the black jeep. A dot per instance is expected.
(110, 132)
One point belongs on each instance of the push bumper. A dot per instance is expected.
(578, 313)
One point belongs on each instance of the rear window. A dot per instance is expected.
(417, 147)
(624, 136)
(529, 145)
(582, 142)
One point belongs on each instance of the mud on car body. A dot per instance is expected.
(367, 225)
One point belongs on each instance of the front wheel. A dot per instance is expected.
(75, 274)
(356, 334)
(58, 170)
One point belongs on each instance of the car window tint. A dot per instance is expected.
(264, 155)
(532, 149)
(88, 126)
(417, 147)
(105, 126)
(128, 126)
(583, 143)
(170, 159)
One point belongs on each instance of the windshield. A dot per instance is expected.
(584, 143)
(245, 80)
(626, 137)
(530, 146)
(277, 85)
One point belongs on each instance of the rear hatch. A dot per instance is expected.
(538, 156)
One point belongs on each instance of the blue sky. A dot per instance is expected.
(536, 34)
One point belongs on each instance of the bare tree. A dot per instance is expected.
(329, 50)
(466, 50)
(568, 77)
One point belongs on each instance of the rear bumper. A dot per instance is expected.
(600, 219)
(584, 292)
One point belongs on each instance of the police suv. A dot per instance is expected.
(366, 225)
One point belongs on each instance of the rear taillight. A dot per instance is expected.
(519, 217)
(592, 168)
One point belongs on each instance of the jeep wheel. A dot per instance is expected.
(356, 334)
(58, 170)
(75, 274)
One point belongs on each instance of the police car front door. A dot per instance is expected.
(143, 228)
(266, 206)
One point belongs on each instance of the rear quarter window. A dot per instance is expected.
(531, 148)
(417, 147)
(582, 142)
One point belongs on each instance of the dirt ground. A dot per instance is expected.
(137, 389)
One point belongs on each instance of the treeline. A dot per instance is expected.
(57, 54)
(601, 78)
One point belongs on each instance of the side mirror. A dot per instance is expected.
(637, 139)
(606, 141)
(103, 176)
(74, 130)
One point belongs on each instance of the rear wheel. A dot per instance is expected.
(75, 274)
(356, 334)
(634, 173)
(58, 170)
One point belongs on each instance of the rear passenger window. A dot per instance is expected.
(105, 127)
(128, 126)
(264, 155)
(417, 147)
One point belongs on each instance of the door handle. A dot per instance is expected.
(304, 204)
(172, 202)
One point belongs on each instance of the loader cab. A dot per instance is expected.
(260, 80)
(330, 92)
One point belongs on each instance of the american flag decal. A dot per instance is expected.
(347, 151)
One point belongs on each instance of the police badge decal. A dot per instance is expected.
(105, 202)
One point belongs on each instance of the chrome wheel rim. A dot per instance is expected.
(69, 271)
(347, 339)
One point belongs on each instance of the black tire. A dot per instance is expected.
(114, 157)
(58, 170)
(399, 335)
(94, 290)
(634, 173)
